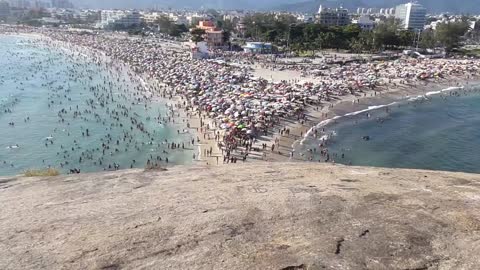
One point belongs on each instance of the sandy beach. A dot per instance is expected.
(251, 108)
(340, 106)
(205, 138)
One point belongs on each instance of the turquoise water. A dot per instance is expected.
(54, 98)
(441, 133)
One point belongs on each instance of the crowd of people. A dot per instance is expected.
(105, 113)
(224, 92)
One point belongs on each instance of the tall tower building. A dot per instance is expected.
(412, 15)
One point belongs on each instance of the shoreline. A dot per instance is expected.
(100, 58)
(344, 107)
(435, 133)
(341, 107)
(334, 102)
(373, 108)
(187, 120)
(149, 84)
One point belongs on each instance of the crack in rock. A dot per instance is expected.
(294, 267)
(339, 245)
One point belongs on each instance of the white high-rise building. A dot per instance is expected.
(412, 15)
(333, 16)
(119, 18)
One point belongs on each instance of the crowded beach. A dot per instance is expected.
(233, 103)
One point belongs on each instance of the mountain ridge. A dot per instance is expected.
(311, 6)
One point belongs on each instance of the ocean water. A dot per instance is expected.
(53, 98)
(441, 132)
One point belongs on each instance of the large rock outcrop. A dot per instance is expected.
(252, 216)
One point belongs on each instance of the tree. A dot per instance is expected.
(310, 32)
(285, 30)
(258, 24)
(296, 34)
(366, 40)
(427, 40)
(351, 31)
(228, 25)
(449, 34)
(406, 38)
(337, 38)
(164, 24)
(320, 41)
(226, 37)
(356, 45)
(197, 35)
(330, 40)
(176, 30)
(385, 34)
(271, 35)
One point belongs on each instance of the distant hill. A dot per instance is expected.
(313, 5)
(179, 4)
(433, 6)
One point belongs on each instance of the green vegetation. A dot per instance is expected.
(166, 26)
(269, 27)
(284, 31)
(225, 24)
(471, 52)
(197, 35)
(449, 34)
(32, 17)
(42, 173)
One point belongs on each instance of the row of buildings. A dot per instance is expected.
(213, 35)
(111, 19)
(15, 7)
(412, 15)
(114, 18)
(23, 4)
